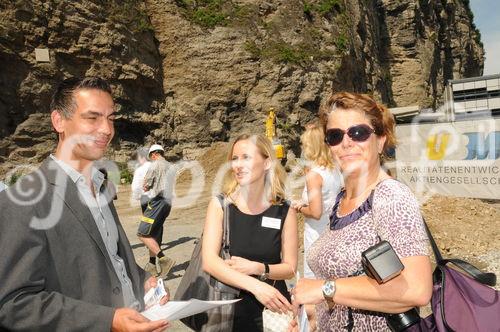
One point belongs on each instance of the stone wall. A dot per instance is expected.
(189, 73)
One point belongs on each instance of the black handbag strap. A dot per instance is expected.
(435, 248)
(225, 236)
(487, 278)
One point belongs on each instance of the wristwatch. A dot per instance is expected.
(328, 289)
(264, 276)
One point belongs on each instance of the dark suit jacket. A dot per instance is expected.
(55, 272)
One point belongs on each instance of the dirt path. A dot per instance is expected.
(181, 229)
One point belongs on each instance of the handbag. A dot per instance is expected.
(198, 284)
(461, 299)
(275, 321)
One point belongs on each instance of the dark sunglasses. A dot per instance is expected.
(358, 133)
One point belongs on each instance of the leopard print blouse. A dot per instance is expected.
(394, 216)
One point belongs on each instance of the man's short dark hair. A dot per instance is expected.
(63, 100)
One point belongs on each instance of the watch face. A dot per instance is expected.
(328, 289)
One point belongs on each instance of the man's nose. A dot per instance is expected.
(106, 127)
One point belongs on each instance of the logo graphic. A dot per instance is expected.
(436, 146)
(479, 146)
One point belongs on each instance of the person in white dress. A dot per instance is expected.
(323, 183)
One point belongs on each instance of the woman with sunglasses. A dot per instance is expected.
(263, 233)
(371, 207)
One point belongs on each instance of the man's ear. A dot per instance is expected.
(57, 121)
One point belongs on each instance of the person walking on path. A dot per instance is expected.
(159, 182)
(138, 192)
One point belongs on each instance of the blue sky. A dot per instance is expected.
(487, 20)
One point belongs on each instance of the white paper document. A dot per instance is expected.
(173, 310)
(302, 315)
(303, 321)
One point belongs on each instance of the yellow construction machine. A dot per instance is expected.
(272, 135)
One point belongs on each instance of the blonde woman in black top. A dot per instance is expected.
(263, 233)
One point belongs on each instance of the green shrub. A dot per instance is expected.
(126, 176)
(289, 54)
(209, 18)
(252, 48)
(327, 6)
(342, 44)
(209, 13)
(302, 54)
(10, 181)
(123, 175)
(131, 13)
(308, 8)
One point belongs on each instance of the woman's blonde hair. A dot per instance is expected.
(314, 147)
(275, 176)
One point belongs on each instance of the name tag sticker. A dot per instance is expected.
(271, 222)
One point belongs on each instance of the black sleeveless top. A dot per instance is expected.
(256, 238)
(253, 238)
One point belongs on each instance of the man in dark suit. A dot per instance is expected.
(65, 261)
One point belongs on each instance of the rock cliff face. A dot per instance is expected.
(187, 73)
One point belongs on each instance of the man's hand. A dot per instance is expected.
(151, 283)
(129, 320)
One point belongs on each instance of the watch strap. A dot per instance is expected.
(264, 276)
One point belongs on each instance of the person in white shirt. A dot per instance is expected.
(138, 193)
(323, 183)
(158, 182)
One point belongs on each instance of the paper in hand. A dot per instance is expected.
(173, 310)
(302, 319)
(155, 294)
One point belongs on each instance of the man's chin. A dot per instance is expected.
(93, 155)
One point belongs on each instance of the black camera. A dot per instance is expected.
(380, 262)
